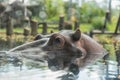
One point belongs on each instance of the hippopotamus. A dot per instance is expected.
(63, 49)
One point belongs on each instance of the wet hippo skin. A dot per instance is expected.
(65, 49)
(72, 47)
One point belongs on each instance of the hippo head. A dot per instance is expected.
(59, 49)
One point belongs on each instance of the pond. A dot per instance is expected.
(11, 69)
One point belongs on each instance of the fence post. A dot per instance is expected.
(76, 25)
(9, 27)
(34, 26)
(26, 33)
(118, 25)
(61, 22)
(67, 25)
(91, 34)
(105, 21)
(44, 28)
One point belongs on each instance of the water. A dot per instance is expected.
(33, 70)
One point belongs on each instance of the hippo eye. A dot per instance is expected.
(59, 41)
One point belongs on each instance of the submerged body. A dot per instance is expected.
(63, 49)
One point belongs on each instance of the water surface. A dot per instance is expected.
(11, 69)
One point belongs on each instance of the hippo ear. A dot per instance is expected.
(39, 36)
(76, 35)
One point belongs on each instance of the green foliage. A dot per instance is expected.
(54, 8)
(111, 26)
(68, 5)
(51, 11)
(85, 27)
(97, 23)
(89, 11)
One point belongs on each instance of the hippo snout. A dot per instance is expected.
(55, 64)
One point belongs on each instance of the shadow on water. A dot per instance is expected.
(12, 68)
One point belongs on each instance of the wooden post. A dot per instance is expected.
(76, 25)
(91, 34)
(9, 31)
(9, 27)
(105, 21)
(26, 31)
(34, 27)
(118, 25)
(10, 42)
(44, 28)
(61, 22)
(67, 25)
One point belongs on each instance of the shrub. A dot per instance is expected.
(97, 23)
(89, 11)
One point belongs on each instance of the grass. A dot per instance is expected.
(85, 27)
(111, 26)
(2, 30)
(19, 30)
(52, 27)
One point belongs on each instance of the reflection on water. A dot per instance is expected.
(33, 70)
(27, 72)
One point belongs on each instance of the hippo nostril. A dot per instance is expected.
(53, 68)
(51, 56)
